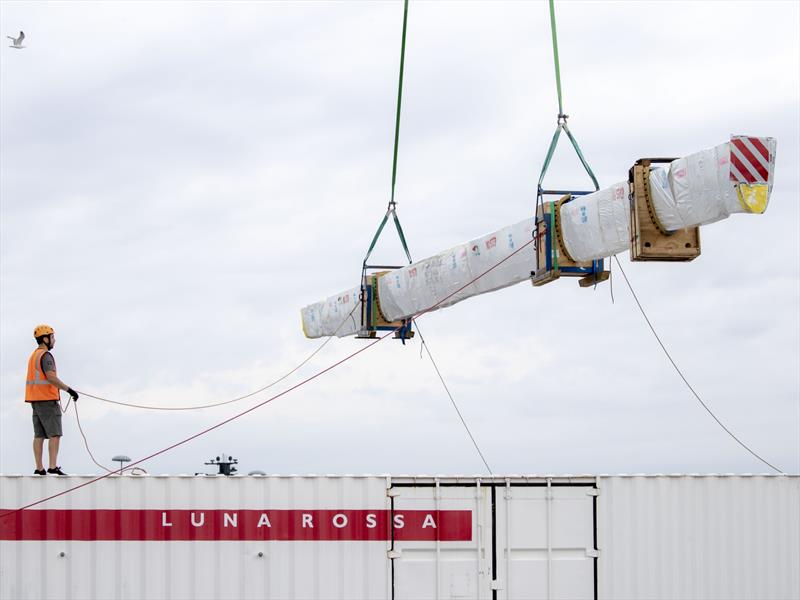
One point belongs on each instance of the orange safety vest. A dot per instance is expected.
(37, 388)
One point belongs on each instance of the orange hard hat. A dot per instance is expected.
(42, 330)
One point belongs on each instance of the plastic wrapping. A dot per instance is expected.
(425, 284)
(696, 190)
(699, 192)
(702, 188)
(597, 225)
(338, 315)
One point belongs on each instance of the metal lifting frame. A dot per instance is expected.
(552, 257)
(372, 318)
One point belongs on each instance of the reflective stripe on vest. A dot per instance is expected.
(37, 388)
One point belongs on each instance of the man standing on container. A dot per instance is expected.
(42, 387)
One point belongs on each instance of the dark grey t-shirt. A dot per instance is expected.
(48, 363)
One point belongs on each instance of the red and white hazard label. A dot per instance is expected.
(750, 159)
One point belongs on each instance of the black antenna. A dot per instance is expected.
(225, 464)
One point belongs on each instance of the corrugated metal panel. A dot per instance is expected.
(435, 569)
(699, 537)
(195, 569)
(531, 538)
(545, 541)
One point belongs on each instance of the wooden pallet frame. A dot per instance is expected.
(649, 240)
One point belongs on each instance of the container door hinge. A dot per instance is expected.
(392, 554)
(592, 553)
(393, 492)
(592, 492)
(497, 584)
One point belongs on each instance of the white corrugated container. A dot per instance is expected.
(708, 536)
(610, 537)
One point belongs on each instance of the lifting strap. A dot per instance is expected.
(562, 118)
(389, 211)
(392, 207)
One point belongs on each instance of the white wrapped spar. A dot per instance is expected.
(735, 177)
(436, 281)
(708, 186)
(711, 185)
(407, 291)
(338, 315)
(597, 225)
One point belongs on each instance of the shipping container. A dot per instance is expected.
(387, 537)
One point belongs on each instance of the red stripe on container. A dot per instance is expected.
(232, 525)
(753, 162)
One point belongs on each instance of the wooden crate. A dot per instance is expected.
(379, 320)
(594, 279)
(649, 240)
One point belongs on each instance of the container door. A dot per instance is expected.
(545, 542)
(444, 548)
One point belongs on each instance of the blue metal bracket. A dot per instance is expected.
(552, 259)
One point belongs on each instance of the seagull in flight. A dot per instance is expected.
(17, 41)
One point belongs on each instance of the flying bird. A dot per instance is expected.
(17, 41)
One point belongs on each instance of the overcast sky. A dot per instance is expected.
(178, 179)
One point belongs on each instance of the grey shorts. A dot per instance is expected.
(46, 419)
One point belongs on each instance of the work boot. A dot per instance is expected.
(40, 472)
(56, 471)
